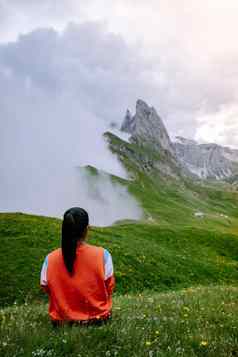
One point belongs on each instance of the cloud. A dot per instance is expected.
(106, 201)
(62, 85)
(182, 52)
(23, 16)
(220, 127)
(58, 95)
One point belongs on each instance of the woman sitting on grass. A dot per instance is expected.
(78, 277)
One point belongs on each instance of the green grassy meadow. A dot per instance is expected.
(176, 292)
(197, 321)
(146, 256)
(176, 275)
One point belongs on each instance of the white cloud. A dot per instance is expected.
(188, 48)
(62, 86)
(220, 127)
(56, 103)
(106, 201)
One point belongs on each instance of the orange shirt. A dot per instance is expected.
(85, 295)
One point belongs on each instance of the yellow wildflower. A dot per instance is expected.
(204, 343)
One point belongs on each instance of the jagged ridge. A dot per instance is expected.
(208, 161)
(184, 156)
(151, 148)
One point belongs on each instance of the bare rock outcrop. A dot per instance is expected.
(207, 161)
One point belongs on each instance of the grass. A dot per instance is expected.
(176, 274)
(197, 321)
(146, 256)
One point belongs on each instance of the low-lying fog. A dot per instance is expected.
(40, 159)
(58, 95)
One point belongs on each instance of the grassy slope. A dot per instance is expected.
(174, 202)
(193, 322)
(146, 256)
(168, 250)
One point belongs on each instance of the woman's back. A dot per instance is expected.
(86, 292)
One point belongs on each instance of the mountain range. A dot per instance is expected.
(183, 156)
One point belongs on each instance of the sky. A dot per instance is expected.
(181, 53)
(70, 69)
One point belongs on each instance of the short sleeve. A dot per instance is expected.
(43, 275)
(108, 265)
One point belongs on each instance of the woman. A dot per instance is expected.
(78, 277)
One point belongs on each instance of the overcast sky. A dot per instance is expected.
(179, 55)
(70, 68)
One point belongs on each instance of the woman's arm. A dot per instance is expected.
(109, 273)
(43, 276)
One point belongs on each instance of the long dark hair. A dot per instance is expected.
(74, 227)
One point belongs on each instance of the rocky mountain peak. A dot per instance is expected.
(147, 128)
(128, 123)
(142, 107)
(184, 155)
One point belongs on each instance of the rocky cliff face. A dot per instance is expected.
(128, 125)
(207, 161)
(184, 157)
(150, 148)
(147, 128)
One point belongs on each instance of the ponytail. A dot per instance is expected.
(74, 225)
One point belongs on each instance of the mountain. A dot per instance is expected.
(233, 181)
(184, 157)
(207, 161)
(150, 148)
(147, 128)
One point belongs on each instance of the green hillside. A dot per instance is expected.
(193, 322)
(174, 200)
(176, 273)
(146, 256)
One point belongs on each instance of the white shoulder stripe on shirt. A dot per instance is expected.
(43, 274)
(108, 266)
